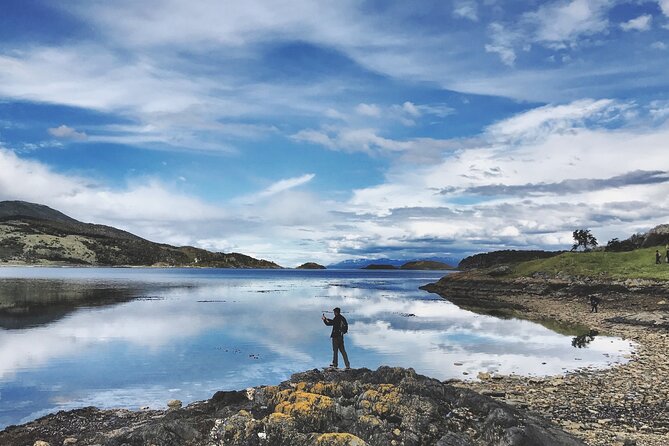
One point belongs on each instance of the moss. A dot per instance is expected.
(339, 439)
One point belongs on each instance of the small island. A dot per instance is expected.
(311, 265)
(379, 266)
(427, 265)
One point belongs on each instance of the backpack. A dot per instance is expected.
(343, 325)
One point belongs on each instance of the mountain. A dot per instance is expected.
(36, 234)
(361, 263)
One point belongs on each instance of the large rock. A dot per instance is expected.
(389, 406)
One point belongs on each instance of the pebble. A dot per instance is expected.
(174, 404)
(596, 405)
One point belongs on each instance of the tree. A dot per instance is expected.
(583, 237)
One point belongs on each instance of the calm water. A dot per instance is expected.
(74, 337)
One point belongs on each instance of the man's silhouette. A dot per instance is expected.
(337, 323)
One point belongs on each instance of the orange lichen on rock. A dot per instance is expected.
(381, 400)
(296, 402)
(339, 439)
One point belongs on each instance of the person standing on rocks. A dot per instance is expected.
(658, 257)
(594, 302)
(339, 326)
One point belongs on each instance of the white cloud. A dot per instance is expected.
(564, 22)
(664, 6)
(503, 42)
(555, 118)
(659, 45)
(86, 199)
(66, 132)
(466, 9)
(286, 184)
(641, 23)
(368, 110)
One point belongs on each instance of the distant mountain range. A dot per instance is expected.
(363, 263)
(36, 234)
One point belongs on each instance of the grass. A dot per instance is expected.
(638, 264)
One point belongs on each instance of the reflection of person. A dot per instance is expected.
(658, 257)
(594, 302)
(337, 337)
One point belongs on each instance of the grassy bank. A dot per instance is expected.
(638, 264)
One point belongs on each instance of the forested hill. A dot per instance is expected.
(36, 234)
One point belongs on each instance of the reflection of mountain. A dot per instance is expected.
(36, 234)
(28, 303)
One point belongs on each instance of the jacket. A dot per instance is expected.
(336, 324)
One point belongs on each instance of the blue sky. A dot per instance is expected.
(296, 131)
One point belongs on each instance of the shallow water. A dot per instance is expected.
(113, 337)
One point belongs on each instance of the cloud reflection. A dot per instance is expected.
(230, 331)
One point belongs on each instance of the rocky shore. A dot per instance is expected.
(389, 406)
(624, 405)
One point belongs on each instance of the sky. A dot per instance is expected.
(300, 131)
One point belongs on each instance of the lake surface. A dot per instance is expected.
(116, 337)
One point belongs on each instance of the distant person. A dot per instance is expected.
(594, 302)
(658, 257)
(667, 255)
(339, 326)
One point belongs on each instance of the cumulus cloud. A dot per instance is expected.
(641, 23)
(66, 132)
(86, 199)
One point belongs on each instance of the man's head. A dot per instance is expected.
(336, 310)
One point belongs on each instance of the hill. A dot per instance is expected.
(505, 257)
(311, 265)
(36, 234)
(426, 265)
(379, 266)
(637, 264)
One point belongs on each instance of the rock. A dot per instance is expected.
(68, 441)
(174, 404)
(483, 376)
(316, 408)
(41, 443)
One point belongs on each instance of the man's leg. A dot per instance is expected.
(335, 356)
(343, 352)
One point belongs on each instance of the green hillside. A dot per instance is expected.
(638, 264)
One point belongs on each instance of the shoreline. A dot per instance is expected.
(624, 404)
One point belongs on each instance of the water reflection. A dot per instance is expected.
(192, 333)
(583, 340)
